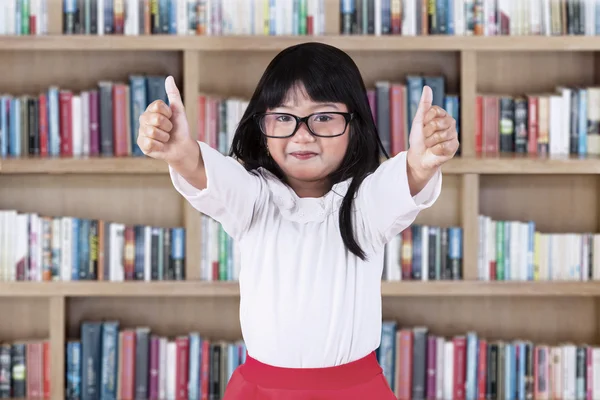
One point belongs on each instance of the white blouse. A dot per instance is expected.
(305, 301)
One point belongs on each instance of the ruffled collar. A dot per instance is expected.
(301, 209)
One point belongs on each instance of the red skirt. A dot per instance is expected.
(358, 380)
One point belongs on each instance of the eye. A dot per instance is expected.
(322, 118)
(283, 118)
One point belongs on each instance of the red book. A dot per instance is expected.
(182, 368)
(205, 369)
(406, 362)
(482, 369)
(397, 118)
(66, 123)
(43, 124)
(127, 367)
(47, 366)
(478, 124)
(460, 364)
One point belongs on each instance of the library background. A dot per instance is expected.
(111, 286)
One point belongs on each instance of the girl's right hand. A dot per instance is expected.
(164, 132)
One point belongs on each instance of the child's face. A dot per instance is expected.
(305, 158)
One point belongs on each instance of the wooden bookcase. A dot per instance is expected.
(140, 191)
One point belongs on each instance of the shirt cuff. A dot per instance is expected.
(187, 190)
(429, 194)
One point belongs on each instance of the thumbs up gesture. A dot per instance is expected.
(433, 140)
(164, 131)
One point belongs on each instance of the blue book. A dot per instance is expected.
(109, 360)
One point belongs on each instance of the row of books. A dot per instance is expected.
(24, 17)
(194, 17)
(469, 17)
(25, 369)
(394, 105)
(110, 361)
(99, 121)
(220, 257)
(515, 250)
(420, 364)
(565, 121)
(425, 252)
(35, 247)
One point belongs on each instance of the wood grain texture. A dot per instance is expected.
(486, 44)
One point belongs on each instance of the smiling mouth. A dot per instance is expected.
(303, 155)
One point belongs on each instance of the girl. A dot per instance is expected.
(304, 195)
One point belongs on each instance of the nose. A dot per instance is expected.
(303, 134)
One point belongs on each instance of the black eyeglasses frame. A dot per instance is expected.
(348, 116)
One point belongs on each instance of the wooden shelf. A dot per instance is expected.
(84, 165)
(275, 43)
(200, 289)
(505, 164)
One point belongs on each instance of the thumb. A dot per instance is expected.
(424, 105)
(174, 96)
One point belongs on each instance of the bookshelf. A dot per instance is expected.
(138, 190)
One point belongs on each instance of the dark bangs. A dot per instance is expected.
(326, 74)
(315, 72)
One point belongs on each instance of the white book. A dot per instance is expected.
(147, 232)
(77, 135)
(448, 370)
(182, 17)
(163, 367)
(100, 18)
(424, 253)
(171, 364)
(66, 271)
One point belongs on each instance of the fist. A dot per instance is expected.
(164, 132)
(433, 139)
(439, 131)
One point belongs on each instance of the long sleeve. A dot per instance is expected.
(230, 194)
(385, 201)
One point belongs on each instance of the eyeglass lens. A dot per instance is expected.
(322, 124)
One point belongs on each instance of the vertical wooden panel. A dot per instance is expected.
(468, 91)
(55, 17)
(191, 77)
(470, 212)
(57, 346)
(332, 17)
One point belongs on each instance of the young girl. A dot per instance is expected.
(306, 197)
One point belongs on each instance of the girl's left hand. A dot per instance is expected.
(433, 138)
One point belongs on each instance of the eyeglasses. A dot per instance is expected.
(322, 124)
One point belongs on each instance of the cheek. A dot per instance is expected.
(276, 147)
(335, 148)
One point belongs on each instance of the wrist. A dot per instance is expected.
(418, 176)
(188, 163)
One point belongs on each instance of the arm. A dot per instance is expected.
(386, 203)
(219, 187)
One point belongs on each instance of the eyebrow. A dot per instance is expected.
(319, 105)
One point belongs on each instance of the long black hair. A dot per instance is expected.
(328, 75)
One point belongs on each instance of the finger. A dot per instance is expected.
(159, 106)
(440, 136)
(156, 119)
(174, 96)
(155, 133)
(424, 105)
(150, 146)
(433, 113)
(438, 125)
(445, 148)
